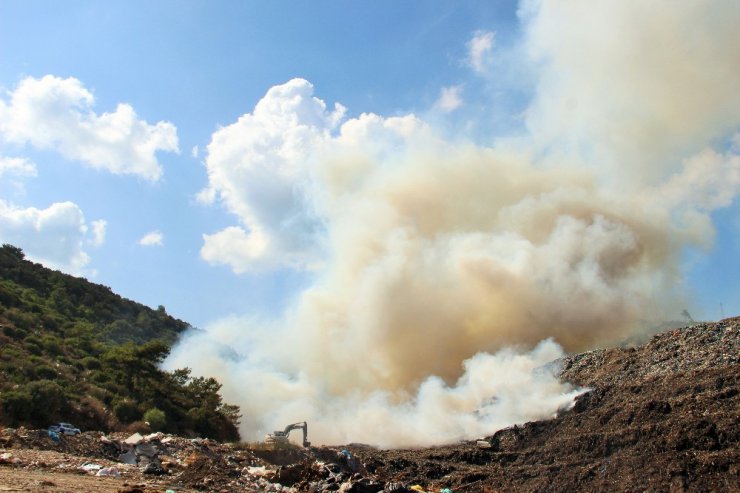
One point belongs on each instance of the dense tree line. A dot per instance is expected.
(71, 350)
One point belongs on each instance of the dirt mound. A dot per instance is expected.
(659, 417)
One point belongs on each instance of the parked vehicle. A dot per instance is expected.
(65, 428)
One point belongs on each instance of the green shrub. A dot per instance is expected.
(156, 419)
(17, 405)
(14, 332)
(21, 319)
(46, 372)
(48, 402)
(91, 363)
(52, 346)
(99, 377)
(126, 411)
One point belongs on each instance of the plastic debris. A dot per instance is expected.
(146, 449)
(90, 467)
(257, 471)
(109, 471)
(134, 439)
(128, 458)
(417, 487)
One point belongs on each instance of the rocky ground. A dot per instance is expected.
(662, 416)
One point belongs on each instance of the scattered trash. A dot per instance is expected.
(134, 439)
(395, 487)
(90, 467)
(445, 490)
(54, 436)
(146, 449)
(109, 471)
(483, 444)
(257, 471)
(128, 458)
(154, 469)
(417, 487)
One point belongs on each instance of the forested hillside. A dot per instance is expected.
(75, 351)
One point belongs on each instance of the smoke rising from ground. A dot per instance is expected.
(434, 258)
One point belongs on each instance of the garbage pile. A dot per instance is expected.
(700, 347)
(85, 444)
(167, 461)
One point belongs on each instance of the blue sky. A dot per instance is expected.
(202, 65)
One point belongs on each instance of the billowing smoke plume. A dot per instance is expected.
(432, 257)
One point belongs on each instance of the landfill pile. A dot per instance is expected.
(662, 416)
(156, 460)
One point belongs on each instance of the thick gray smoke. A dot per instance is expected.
(446, 273)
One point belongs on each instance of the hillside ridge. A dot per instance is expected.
(72, 350)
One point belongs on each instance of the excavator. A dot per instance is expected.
(280, 438)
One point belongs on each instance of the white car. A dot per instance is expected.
(65, 428)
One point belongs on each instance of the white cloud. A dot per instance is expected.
(98, 232)
(154, 238)
(258, 170)
(17, 166)
(13, 172)
(234, 247)
(265, 167)
(55, 113)
(479, 50)
(195, 152)
(54, 236)
(449, 99)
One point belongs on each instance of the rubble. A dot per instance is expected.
(108, 471)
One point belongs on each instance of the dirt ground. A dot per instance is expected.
(59, 482)
(660, 417)
(52, 471)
